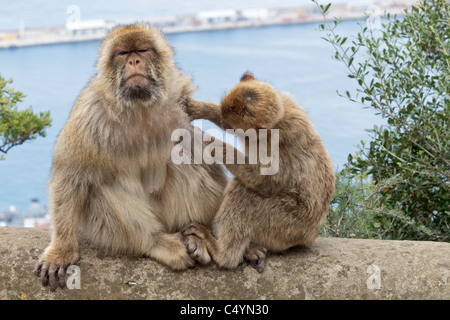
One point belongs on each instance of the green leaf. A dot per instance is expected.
(350, 61)
(325, 8)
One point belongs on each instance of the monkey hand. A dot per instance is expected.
(52, 266)
(197, 249)
(256, 255)
(197, 230)
(199, 243)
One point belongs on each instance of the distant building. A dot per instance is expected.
(219, 16)
(162, 22)
(10, 217)
(36, 209)
(42, 223)
(257, 14)
(37, 216)
(87, 26)
(2, 219)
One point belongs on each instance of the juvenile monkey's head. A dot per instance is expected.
(252, 104)
(135, 63)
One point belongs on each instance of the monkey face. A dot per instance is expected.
(134, 72)
(135, 61)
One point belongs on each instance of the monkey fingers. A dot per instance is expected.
(52, 274)
(197, 249)
(203, 233)
(256, 255)
(196, 230)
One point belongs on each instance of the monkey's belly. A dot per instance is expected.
(120, 220)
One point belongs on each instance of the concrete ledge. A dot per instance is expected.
(330, 269)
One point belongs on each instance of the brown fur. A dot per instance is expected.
(112, 176)
(267, 211)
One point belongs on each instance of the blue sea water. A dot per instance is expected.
(293, 58)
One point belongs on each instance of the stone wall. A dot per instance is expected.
(330, 269)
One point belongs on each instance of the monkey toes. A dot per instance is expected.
(256, 256)
(196, 230)
(197, 249)
(194, 238)
(53, 273)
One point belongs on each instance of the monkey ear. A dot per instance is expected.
(247, 76)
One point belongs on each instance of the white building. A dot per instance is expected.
(217, 16)
(87, 26)
(43, 223)
(255, 14)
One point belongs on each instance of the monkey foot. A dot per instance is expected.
(53, 274)
(197, 249)
(256, 256)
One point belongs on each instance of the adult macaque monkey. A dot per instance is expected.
(112, 177)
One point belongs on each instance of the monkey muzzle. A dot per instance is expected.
(138, 87)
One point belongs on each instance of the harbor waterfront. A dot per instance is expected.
(77, 29)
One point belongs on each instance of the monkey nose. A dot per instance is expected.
(134, 62)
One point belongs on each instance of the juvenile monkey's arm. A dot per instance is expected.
(249, 174)
(204, 110)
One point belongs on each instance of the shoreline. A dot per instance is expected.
(94, 30)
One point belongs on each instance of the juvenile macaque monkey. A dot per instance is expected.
(112, 177)
(272, 211)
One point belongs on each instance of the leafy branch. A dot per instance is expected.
(403, 73)
(18, 126)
